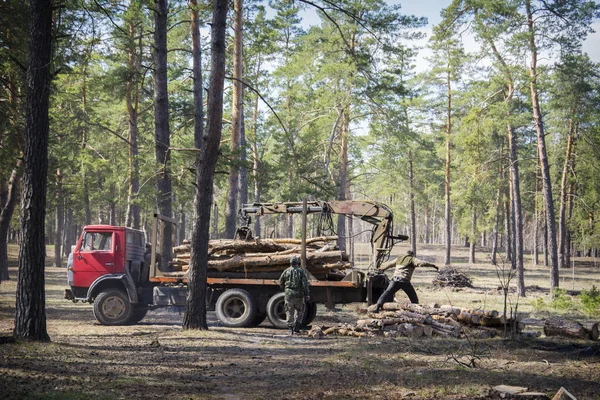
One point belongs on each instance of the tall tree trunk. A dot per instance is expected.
(6, 213)
(68, 231)
(541, 136)
(427, 228)
(84, 139)
(413, 222)
(215, 222)
(473, 238)
(255, 162)
(243, 159)
(236, 121)
(162, 135)
(30, 310)
(131, 98)
(195, 311)
(545, 238)
(197, 74)
(536, 229)
(447, 189)
(570, 203)
(58, 232)
(518, 213)
(507, 228)
(343, 175)
(562, 223)
(182, 226)
(496, 225)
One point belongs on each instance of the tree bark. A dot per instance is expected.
(162, 134)
(236, 122)
(30, 310)
(12, 196)
(567, 328)
(343, 175)
(541, 136)
(447, 189)
(473, 234)
(132, 218)
(517, 212)
(536, 228)
(495, 229)
(413, 222)
(507, 225)
(562, 220)
(195, 312)
(58, 232)
(255, 162)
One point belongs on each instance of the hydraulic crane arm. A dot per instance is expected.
(377, 214)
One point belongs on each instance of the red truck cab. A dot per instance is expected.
(107, 268)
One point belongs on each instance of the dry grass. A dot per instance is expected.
(156, 359)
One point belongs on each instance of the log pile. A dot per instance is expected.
(267, 258)
(452, 277)
(414, 320)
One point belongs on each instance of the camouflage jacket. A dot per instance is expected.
(294, 282)
(406, 265)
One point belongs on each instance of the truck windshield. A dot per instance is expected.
(97, 241)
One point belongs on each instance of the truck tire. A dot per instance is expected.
(259, 318)
(138, 315)
(235, 308)
(112, 307)
(276, 310)
(310, 313)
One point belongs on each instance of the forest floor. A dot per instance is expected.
(157, 359)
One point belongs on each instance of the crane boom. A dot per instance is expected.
(377, 214)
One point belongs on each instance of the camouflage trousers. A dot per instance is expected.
(294, 309)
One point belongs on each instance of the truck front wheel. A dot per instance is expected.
(236, 308)
(112, 307)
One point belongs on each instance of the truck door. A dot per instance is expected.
(94, 257)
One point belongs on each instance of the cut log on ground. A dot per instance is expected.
(567, 328)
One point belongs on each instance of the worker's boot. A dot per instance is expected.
(379, 307)
(297, 328)
(291, 330)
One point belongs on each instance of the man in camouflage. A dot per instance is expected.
(294, 283)
(405, 266)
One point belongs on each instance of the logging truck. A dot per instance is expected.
(123, 276)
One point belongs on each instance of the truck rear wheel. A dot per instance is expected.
(276, 311)
(310, 313)
(235, 308)
(112, 307)
(258, 319)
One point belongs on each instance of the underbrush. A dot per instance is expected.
(588, 302)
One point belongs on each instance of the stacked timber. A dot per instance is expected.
(415, 320)
(267, 258)
(452, 277)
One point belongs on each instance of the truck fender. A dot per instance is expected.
(124, 279)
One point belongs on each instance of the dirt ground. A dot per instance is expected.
(157, 359)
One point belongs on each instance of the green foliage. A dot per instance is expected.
(561, 300)
(538, 304)
(590, 301)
